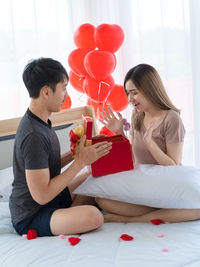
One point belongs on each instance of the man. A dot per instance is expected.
(42, 197)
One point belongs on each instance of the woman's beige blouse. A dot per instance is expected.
(171, 130)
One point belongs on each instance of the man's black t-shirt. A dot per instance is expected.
(36, 147)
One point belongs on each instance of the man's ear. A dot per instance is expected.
(45, 91)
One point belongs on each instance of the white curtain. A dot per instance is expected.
(195, 59)
(29, 29)
(157, 32)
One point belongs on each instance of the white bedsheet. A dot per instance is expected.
(103, 247)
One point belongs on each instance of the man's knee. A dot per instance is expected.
(197, 213)
(94, 217)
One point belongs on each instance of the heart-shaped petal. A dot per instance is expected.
(157, 221)
(126, 237)
(74, 240)
(61, 236)
(165, 250)
(161, 235)
(32, 234)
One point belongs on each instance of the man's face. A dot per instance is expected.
(58, 97)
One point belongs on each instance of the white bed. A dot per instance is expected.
(102, 247)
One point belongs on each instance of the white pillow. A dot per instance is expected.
(6, 226)
(6, 179)
(149, 185)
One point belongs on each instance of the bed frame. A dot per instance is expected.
(61, 122)
(9, 127)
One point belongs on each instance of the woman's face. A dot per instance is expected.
(136, 98)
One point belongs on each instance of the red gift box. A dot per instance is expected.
(118, 159)
(87, 123)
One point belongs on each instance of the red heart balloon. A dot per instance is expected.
(98, 108)
(84, 36)
(118, 99)
(76, 61)
(106, 131)
(98, 90)
(67, 103)
(76, 81)
(109, 37)
(99, 64)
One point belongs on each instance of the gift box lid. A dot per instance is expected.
(87, 123)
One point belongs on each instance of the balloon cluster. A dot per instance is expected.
(93, 62)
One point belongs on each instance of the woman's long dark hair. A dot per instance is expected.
(148, 81)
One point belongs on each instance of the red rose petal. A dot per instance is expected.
(32, 234)
(74, 240)
(157, 221)
(126, 237)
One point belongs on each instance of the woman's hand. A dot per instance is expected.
(113, 123)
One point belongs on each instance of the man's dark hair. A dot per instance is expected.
(41, 72)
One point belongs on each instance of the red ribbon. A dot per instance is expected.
(73, 141)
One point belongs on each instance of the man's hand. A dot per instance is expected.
(89, 154)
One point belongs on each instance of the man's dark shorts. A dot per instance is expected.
(40, 221)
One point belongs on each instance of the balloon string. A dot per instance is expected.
(99, 90)
(107, 96)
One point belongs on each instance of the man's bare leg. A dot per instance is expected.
(75, 220)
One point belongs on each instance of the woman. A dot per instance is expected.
(157, 135)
